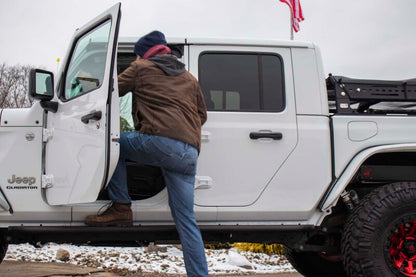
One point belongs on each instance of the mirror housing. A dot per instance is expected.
(41, 85)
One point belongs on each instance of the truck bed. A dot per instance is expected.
(352, 96)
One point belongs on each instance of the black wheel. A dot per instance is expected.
(313, 264)
(380, 235)
(3, 248)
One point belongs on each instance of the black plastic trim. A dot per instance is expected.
(50, 106)
(160, 234)
(94, 115)
(32, 84)
(259, 135)
(333, 174)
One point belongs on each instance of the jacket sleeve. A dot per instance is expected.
(127, 80)
(202, 108)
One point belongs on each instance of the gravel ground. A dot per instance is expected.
(164, 260)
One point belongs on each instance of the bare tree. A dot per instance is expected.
(14, 86)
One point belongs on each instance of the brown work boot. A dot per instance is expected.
(115, 215)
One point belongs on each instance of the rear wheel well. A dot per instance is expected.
(378, 170)
(387, 168)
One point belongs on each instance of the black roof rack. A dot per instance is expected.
(358, 95)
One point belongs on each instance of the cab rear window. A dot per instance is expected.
(247, 82)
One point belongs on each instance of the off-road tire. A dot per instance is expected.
(311, 264)
(3, 248)
(367, 238)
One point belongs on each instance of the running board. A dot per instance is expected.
(159, 234)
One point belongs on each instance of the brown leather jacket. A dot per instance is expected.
(167, 99)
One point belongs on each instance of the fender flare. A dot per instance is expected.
(338, 186)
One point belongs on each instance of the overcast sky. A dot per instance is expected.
(358, 38)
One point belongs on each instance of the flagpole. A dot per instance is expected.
(292, 35)
(296, 15)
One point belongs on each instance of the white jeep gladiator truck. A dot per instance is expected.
(326, 167)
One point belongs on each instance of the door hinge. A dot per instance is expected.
(47, 134)
(47, 181)
(203, 182)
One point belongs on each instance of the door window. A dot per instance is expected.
(242, 82)
(85, 71)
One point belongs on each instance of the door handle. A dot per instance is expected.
(94, 115)
(269, 135)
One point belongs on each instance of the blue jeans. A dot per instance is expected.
(178, 163)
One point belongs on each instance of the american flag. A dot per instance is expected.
(297, 15)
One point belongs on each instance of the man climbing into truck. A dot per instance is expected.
(168, 111)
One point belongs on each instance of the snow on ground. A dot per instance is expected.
(162, 259)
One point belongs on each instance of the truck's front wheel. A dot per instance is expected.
(380, 235)
(3, 247)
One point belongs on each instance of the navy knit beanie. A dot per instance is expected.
(148, 41)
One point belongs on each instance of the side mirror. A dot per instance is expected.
(41, 85)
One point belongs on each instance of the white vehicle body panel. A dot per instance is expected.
(355, 134)
(294, 192)
(250, 164)
(21, 170)
(77, 153)
(311, 95)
